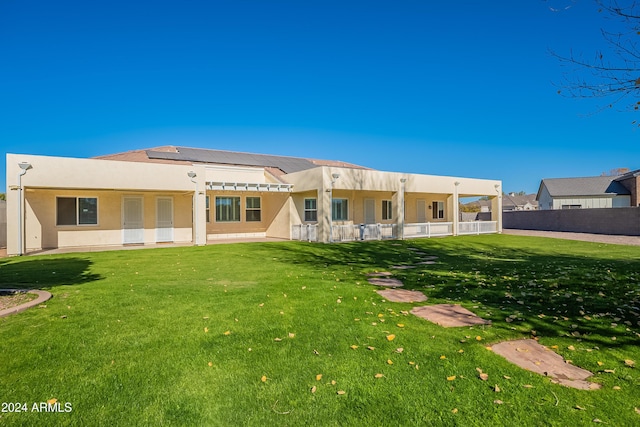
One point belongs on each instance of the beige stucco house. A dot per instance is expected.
(179, 194)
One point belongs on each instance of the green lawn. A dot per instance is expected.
(237, 335)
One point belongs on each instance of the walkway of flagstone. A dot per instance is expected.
(527, 354)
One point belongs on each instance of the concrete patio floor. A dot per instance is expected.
(3, 252)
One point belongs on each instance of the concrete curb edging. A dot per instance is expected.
(42, 297)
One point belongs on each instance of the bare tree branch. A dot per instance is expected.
(613, 73)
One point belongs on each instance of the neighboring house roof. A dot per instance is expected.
(590, 186)
(186, 155)
(630, 174)
(509, 200)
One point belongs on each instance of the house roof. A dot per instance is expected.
(186, 155)
(630, 174)
(518, 200)
(589, 186)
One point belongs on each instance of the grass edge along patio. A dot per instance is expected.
(191, 195)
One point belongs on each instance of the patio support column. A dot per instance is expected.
(496, 208)
(456, 208)
(201, 223)
(324, 207)
(398, 203)
(199, 208)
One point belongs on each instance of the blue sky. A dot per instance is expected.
(461, 88)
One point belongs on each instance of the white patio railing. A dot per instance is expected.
(428, 229)
(352, 232)
(304, 232)
(477, 227)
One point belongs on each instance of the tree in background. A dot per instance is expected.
(613, 73)
(3, 196)
(616, 172)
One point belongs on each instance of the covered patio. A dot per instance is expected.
(351, 205)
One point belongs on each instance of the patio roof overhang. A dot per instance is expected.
(249, 186)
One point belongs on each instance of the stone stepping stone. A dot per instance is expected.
(387, 282)
(429, 257)
(403, 267)
(379, 274)
(449, 315)
(402, 295)
(532, 356)
(426, 263)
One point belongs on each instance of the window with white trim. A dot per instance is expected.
(438, 210)
(253, 211)
(340, 210)
(387, 209)
(76, 211)
(228, 209)
(311, 210)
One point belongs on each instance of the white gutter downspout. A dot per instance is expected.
(24, 166)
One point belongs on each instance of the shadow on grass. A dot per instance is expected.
(567, 290)
(45, 273)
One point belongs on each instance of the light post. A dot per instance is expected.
(335, 177)
(192, 175)
(24, 167)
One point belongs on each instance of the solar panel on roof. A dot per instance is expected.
(286, 164)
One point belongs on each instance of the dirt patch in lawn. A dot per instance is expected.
(15, 300)
(10, 299)
(402, 295)
(532, 356)
(449, 315)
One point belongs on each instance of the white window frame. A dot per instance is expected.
(345, 211)
(77, 212)
(437, 206)
(387, 209)
(311, 211)
(247, 209)
(239, 209)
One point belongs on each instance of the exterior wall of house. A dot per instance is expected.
(633, 185)
(280, 227)
(413, 212)
(592, 202)
(271, 204)
(108, 180)
(356, 206)
(41, 231)
(221, 173)
(546, 201)
(297, 214)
